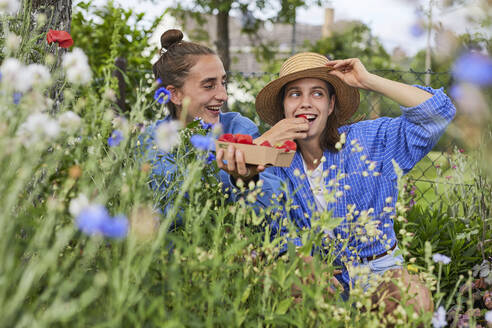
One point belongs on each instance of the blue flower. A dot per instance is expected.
(205, 126)
(473, 67)
(91, 218)
(159, 81)
(162, 95)
(416, 30)
(439, 318)
(439, 258)
(116, 227)
(17, 97)
(210, 158)
(115, 138)
(202, 142)
(456, 92)
(95, 219)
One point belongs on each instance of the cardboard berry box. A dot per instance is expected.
(260, 155)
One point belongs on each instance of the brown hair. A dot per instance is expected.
(329, 135)
(174, 64)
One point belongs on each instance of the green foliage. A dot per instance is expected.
(110, 32)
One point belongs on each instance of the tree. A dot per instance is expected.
(282, 11)
(38, 16)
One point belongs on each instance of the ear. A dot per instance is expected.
(331, 105)
(176, 95)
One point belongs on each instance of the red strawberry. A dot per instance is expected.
(266, 144)
(304, 116)
(290, 145)
(244, 138)
(227, 137)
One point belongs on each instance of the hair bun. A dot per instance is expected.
(171, 37)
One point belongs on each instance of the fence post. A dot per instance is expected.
(119, 72)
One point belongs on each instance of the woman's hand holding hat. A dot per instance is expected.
(285, 129)
(351, 71)
(236, 166)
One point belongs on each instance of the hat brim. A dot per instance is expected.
(269, 105)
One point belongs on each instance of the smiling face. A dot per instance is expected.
(205, 87)
(309, 98)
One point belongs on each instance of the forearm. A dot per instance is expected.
(404, 94)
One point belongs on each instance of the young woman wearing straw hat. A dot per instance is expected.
(348, 168)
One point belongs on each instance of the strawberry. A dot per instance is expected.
(244, 139)
(304, 116)
(266, 144)
(290, 145)
(227, 137)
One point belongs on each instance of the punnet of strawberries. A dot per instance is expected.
(288, 145)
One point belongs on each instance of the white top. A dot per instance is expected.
(316, 182)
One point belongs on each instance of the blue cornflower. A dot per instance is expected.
(91, 218)
(116, 227)
(159, 81)
(162, 95)
(205, 126)
(17, 97)
(210, 158)
(473, 67)
(202, 142)
(115, 138)
(95, 219)
(416, 30)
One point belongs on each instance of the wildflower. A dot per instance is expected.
(439, 318)
(95, 219)
(63, 38)
(75, 172)
(38, 127)
(210, 158)
(167, 135)
(17, 96)
(15, 75)
(448, 177)
(69, 121)
(76, 65)
(115, 138)
(473, 67)
(116, 227)
(162, 95)
(78, 204)
(488, 317)
(461, 150)
(202, 142)
(417, 29)
(453, 167)
(12, 41)
(39, 74)
(9, 6)
(206, 126)
(439, 258)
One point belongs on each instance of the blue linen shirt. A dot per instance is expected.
(364, 164)
(163, 165)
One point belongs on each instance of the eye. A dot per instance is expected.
(318, 93)
(209, 86)
(224, 83)
(294, 94)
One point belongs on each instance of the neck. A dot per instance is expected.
(311, 152)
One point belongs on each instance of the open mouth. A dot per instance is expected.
(215, 108)
(309, 117)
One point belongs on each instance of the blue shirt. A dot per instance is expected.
(364, 165)
(163, 166)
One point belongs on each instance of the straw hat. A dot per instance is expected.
(305, 65)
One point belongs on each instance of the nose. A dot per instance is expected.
(221, 93)
(305, 101)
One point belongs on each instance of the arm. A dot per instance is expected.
(352, 72)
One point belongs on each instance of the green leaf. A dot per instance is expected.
(284, 306)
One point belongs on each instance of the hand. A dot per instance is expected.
(351, 71)
(236, 166)
(286, 129)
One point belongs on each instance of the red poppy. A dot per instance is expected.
(227, 137)
(244, 139)
(63, 38)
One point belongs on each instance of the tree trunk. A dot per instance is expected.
(223, 38)
(58, 14)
